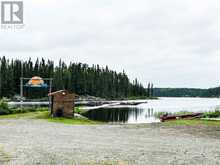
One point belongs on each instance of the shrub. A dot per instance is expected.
(4, 108)
(28, 109)
(214, 114)
(159, 114)
(77, 110)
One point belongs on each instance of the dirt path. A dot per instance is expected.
(38, 142)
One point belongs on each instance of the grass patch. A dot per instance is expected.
(76, 121)
(192, 122)
(23, 115)
(46, 115)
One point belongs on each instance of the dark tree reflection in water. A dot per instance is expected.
(122, 115)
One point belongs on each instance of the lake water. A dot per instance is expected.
(144, 113)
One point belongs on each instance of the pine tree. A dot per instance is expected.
(76, 77)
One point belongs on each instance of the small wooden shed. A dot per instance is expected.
(62, 103)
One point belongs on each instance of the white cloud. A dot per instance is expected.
(172, 43)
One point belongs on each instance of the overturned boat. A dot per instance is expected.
(175, 117)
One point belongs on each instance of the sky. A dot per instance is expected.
(172, 43)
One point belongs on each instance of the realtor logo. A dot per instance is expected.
(11, 12)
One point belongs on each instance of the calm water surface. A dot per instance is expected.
(144, 113)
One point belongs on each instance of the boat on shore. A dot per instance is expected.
(167, 117)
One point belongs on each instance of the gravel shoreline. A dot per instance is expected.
(38, 142)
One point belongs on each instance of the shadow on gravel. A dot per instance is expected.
(4, 157)
(194, 130)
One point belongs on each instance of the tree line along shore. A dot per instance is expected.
(76, 77)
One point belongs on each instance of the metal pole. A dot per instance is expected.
(50, 99)
(51, 85)
(21, 91)
(21, 86)
(0, 80)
